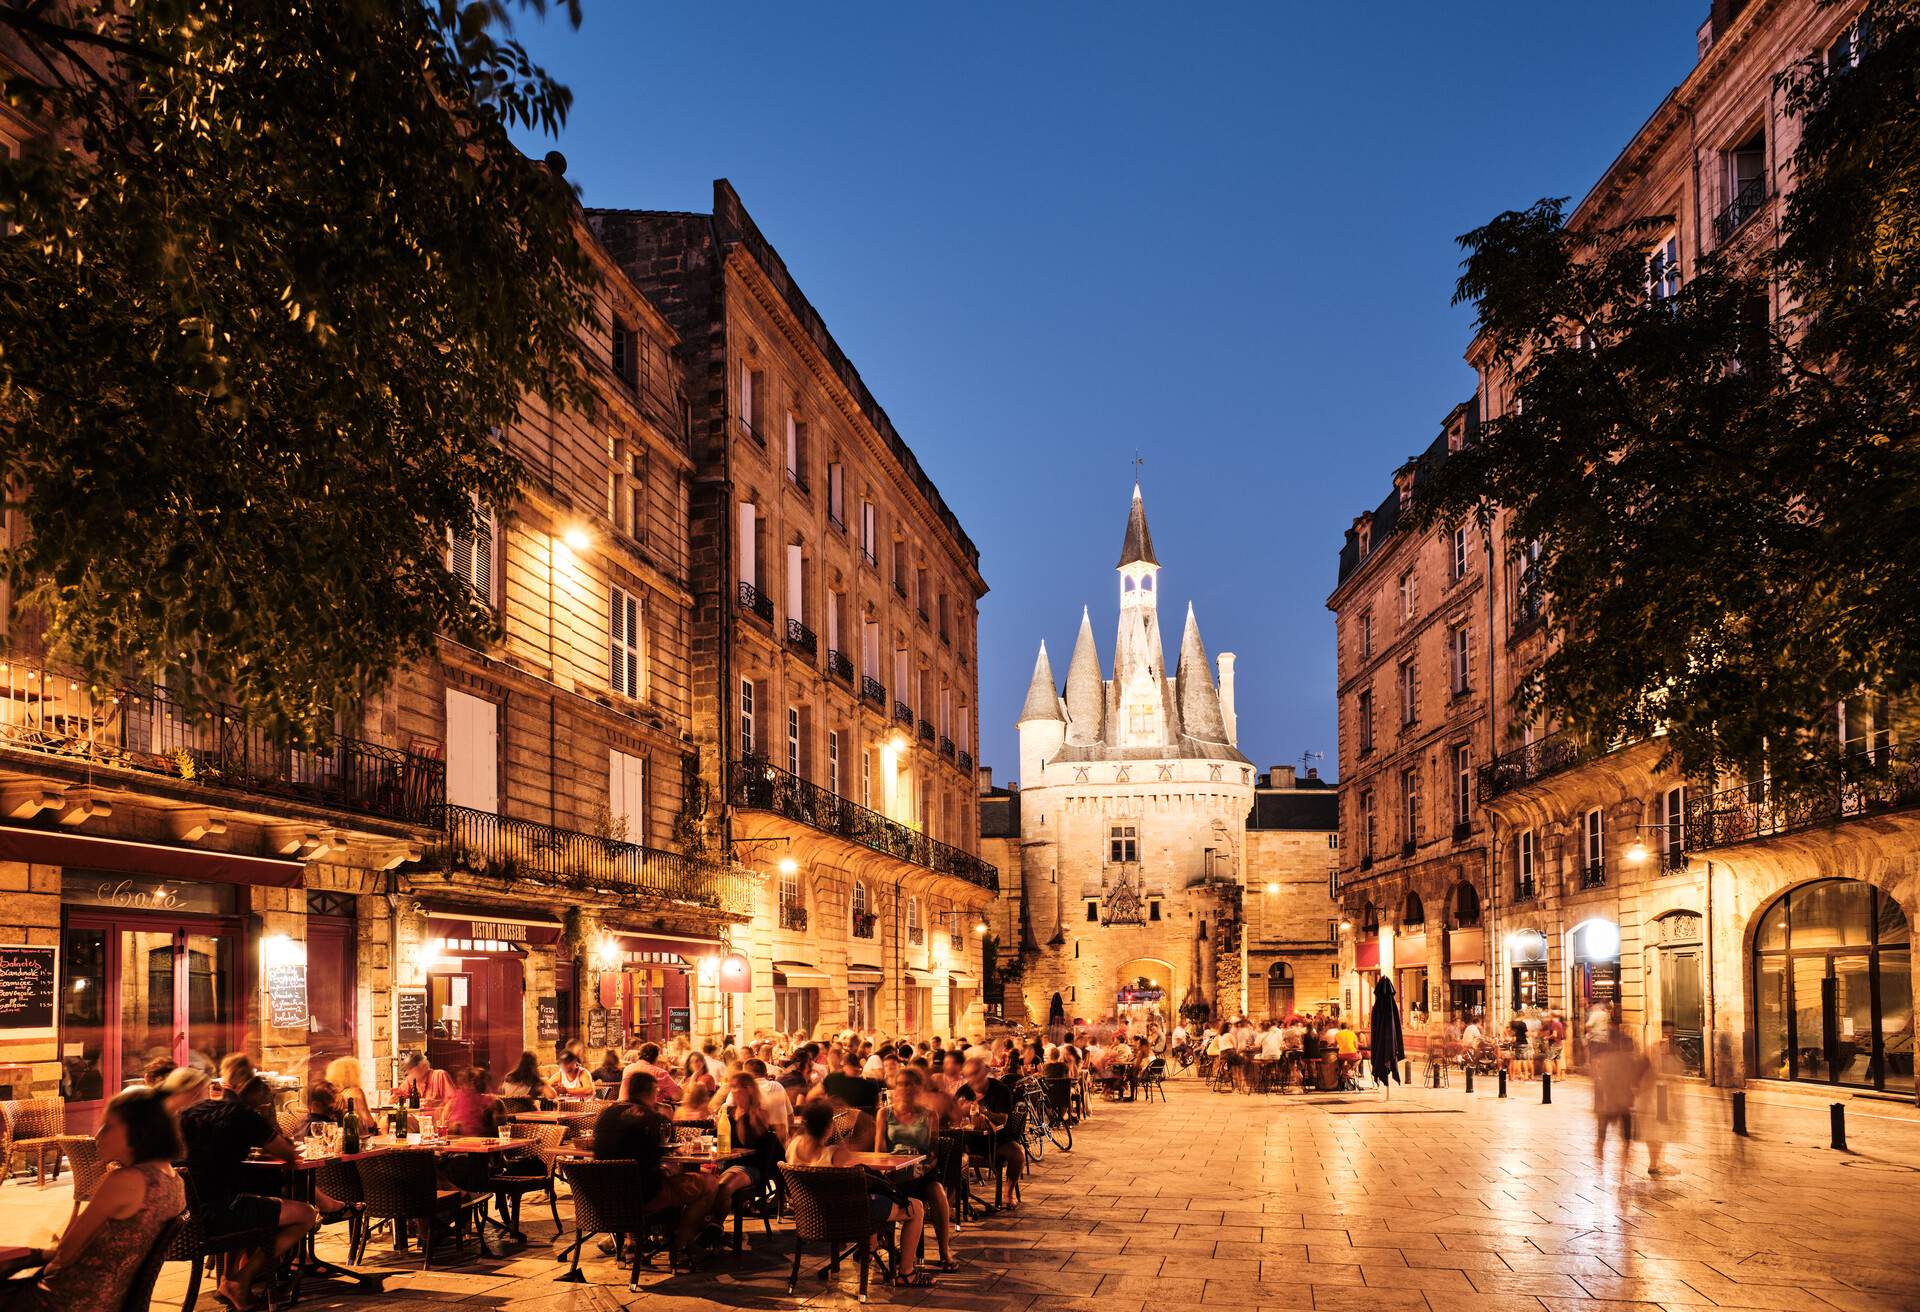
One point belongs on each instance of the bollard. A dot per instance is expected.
(1660, 1103)
(1837, 1112)
(1406, 1076)
(1469, 1079)
(1503, 1081)
(1740, 1113)
(1546, 1087)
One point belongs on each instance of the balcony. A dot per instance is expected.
(746, 426)
(964, 759)
(141, 728)
(916, 934)
(864, 923)
(801, 639)
(1594, 875)
(1672, 861)
(926, 731)
(1746, 203)
(946, 747)
(525, 851)
(793, 915)
(903, 713)
(839, 667)
(1529, 764)
(1862, 784)
(1524, 891)
(1406, 848)
(759, 785)
(899, 589)
(756, 602)
(873, 692)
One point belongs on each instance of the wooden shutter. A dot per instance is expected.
(473, 752)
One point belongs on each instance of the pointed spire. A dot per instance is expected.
(1200, 716)
(1139, 543)
(1086, 690)
(1043, 702)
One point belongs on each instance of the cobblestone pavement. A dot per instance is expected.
(1429, 1200)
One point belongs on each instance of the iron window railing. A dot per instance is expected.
(801, 638)
(1524, 891)
(503, 847)
(793, 915)
(759, 785)
(872, 690)
(1529, 764)
(839, 667)
(1745, 204)
(1593, 875)
(965, 759)
(798, 479)
(946, 747)
(926, 731)
(1863, 783)
(903, 712)
(863, 923)
(756, 602)
(141, 727)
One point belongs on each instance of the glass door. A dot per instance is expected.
(1810, 1010)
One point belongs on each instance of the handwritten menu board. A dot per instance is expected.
(679, 1020)
(287, 995)
(600, 1024)
(27, 977)
(547, 1018)
(410, 1019)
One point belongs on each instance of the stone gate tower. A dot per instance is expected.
(1133, 810)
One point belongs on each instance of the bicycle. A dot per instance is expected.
(1041, 1121)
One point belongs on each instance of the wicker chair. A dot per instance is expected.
(340, 1181)
(88, 1169)
(830, 1207)
(192, 1244)
(35, 1128)
(405, 1186)
(579, 1127)
(607, 1201)
(546, 1140)
(526, 1171)
(139, 1295)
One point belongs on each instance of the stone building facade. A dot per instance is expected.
(1412, 649)
(834, 646)
(1132, 820)
(1290, 908)
(1771, 931)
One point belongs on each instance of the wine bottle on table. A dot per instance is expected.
(350, 1132)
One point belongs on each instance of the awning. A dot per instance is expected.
(1465, 945)
(921, 979)
(485, 929)
(960, 979)
(1462, 972)
(863, 975)
(38, 847)
(649, 951)
(1409, 950)
(1366, 954)
(799, 975)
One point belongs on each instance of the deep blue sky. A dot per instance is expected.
(1051, 234)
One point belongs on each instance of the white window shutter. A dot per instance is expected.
(473, 752)
(746, 542)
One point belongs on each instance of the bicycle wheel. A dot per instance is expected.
(1059, 1131)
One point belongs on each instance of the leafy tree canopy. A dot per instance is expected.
(1726, 502)
(275, 276)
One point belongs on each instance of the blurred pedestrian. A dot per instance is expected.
(1618, 1071)
(1656, 1124)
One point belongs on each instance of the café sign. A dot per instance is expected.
(131, 893)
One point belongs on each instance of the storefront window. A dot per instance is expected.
(794, 1010)
(83, 1014)
(860, 1006)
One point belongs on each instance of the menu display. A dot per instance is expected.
(410, 1018)
(547, 1018)
(287, 995)
(28, 974)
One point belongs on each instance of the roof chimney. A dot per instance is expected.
(984, 776)
(1280, 776)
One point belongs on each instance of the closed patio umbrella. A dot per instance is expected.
(1389, 1046)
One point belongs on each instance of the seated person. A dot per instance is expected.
(343, 1073)
(470, 1109)
(647, 1061)
(105, 1245)
(757, 1131)
(219, 1134)
(633, 1130)
(524, 1081)
(813, 1145)
(417, 1076)
(323, 1108)
(987, 1106)
(697, 1105)
(610, 1068)
(573, 1079)
(848, 1087)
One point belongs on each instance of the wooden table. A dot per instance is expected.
(545, 1118)
(18, 1259)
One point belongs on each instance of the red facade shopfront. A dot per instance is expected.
(477, 985)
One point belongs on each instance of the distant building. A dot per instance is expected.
(1291, 918)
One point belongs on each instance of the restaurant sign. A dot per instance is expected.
(124, 893)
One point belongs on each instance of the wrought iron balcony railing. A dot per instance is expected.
(801, 638)
(756, 602)
(1529, 764)
(965, 759)
(946, 747)
(903, 712)
(1745, 204)
(799, 480)
(916, 934)
(1593, 875)
(793, 915)
(140, 727)
(759, 785)
(1865, 783)
(1524, 891)
(839, 667)
(863, 924)
(926, 731)
(873, 691)
(524, 850)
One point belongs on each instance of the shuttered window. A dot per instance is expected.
(627, 658)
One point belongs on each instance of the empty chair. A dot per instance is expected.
(88, 1169)
(607, 1200)
(526, 1171)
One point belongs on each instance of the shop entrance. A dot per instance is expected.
(1594, 980)
(474, 1005)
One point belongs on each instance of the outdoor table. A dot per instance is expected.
(17, 1259)
(542, 1118)
(301, 1173)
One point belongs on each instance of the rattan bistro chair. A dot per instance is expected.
(193, 1245)
(607, 1200)
(404, 1186)
(35, 1129)
(830, 1207)
(139, 1295)
(88, 1169)
(528, 1170)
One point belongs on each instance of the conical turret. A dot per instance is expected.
(1043, 702)
(1138, 545)
(1200, 716)
(1086, 691)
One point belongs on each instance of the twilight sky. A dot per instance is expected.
(1052, 234)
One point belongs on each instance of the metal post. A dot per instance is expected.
(1546, 1086)
(1837, 1113)
(1469, 1079)
(1503, 1081)
(1740, 1112)
(1406, 1076)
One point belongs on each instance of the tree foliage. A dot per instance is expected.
(1726, 502)
(275, 278)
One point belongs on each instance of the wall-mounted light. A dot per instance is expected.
(980, 926)
(577, 537)
(1272, 888)
(708, 968)
(1636, 852)
(899, 741)
(607, 953)
(788, 866)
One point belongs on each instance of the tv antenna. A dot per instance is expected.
(1307, 759)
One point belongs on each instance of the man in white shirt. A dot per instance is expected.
(1273, 1042)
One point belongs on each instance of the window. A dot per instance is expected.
(1663, 269)
(833, 761)
(915, 932)
(1363, 712)
(1153, 908)
(1408, 595)
(1843, 53)
(900, 566)
(1865, 729)
(1527, 586)
(626, 644)
(793, 740)
(746, 717)
(1093, 911)
(1366, 825)
(1461, 546)
(1523, 859)
(869, 533)
(1123, 843)
(1594, 839)
(472, 555)
(1410, 808)
(1363, 538)
(837, 494)
(1460, 658)
(753, 390)
(1745, 182)
(862, 911)
(796, 452)
(627, 794)
(1673, 828)
(626, 356)
(1462, 785)
(1366, 634)
(860, 1006)
(794, 1009)
(627, 489)
(1409, 697)
(866, 779)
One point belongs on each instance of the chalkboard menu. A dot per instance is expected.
(287, 995)
(547, 1018)
(679, 1020)
(27, 978)
(601, 1024)
(410, 1018)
